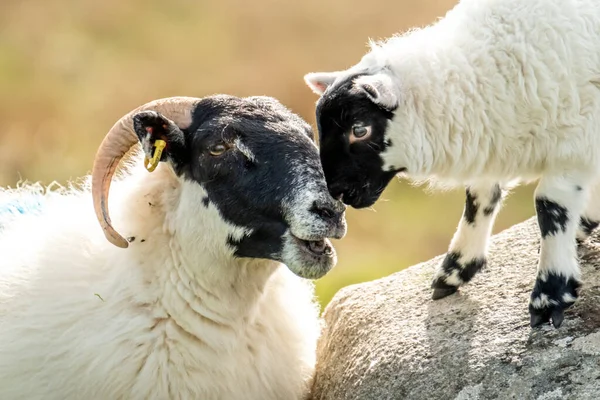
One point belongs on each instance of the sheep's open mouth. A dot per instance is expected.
(319, 247)
(311, 257)
(322, 247)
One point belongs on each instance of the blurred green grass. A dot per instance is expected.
(70, 68)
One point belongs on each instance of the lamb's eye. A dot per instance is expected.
(217, 149)
(360, 132)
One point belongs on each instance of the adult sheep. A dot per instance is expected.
(495, 93)
(195, 303)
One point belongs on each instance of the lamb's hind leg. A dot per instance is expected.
(468, 250)
(559, 203)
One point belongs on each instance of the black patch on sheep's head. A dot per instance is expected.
(259, 166)
(352, 117)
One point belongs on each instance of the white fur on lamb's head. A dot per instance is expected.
(380, 89)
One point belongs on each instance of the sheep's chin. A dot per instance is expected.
(300, 256)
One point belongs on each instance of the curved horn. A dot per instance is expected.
(118, 141)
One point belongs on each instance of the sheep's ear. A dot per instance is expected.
(380, 89)
(320, 81)
(151, 127)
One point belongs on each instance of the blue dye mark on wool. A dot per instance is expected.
(27, 204)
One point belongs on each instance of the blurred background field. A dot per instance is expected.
(70, 68)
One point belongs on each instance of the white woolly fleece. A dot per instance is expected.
(174, 316)
(497, 90)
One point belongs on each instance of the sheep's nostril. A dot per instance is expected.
(327, 213)
(324, 212)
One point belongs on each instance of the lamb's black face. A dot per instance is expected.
(258, 165)
(351, 135)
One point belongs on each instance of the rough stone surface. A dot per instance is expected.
(387, 339)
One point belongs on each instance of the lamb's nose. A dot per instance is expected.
(337, 192)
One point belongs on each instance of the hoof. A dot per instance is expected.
(550, 298)
(540, 317)
(441, 289)
(441, 293)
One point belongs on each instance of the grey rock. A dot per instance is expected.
(386, 339)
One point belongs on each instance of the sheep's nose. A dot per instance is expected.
(329, 210)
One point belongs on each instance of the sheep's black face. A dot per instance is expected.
(259, 166)
(351, 131)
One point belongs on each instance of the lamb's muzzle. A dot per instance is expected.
(117, 142)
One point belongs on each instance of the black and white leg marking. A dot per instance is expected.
(468, 249)
(559, 202)
(590, 219)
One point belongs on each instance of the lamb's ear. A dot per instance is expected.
(151, 127)
(320, 81)
(380, 89)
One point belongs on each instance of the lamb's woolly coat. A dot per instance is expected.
(497, 92)
(498, 89)
(82, 319)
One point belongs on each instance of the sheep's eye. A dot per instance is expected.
(217, 149)
(360, 132)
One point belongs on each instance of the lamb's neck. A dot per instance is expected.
(447, 99)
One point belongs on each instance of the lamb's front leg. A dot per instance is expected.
(559, 201)
(468, 250)
(590, 219)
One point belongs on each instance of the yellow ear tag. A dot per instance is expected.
(152, 163)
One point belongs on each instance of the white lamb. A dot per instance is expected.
(199, 304)
(495, 93)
